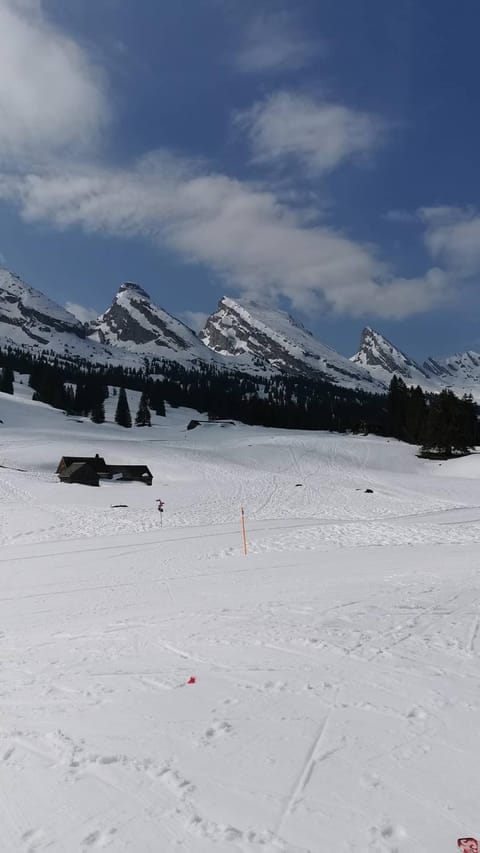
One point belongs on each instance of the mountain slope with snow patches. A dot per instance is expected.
(27, 315)
(383, 359)
(31, 321)
(134, 323)
(239, 336)
(273, 338)
(460, 372)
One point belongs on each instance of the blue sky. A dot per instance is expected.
(315, 154)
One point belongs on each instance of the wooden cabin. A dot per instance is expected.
(96, 462)
(130, 473)
(79, 472)
(89, 470)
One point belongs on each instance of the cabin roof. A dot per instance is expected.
(75, 467)
(97, 462)
(132, 469)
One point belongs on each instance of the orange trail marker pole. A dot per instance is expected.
(244, 535)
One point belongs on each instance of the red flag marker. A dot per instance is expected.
(467, 845)
(191, 680)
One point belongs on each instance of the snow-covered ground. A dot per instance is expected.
(337, 694)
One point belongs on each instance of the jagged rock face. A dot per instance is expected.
(462, 367)
(27, 316)
(384, 359)
(460, 372)
(433, 367)
(274, 339)
(243, 336)
(135, 323)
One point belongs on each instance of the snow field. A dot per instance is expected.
(337, 690)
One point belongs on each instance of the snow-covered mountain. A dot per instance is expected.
(31, 321)
(383, 359)
(273, 338)
(460, 372)
(28, 317)
(134, 323)
(241, 336)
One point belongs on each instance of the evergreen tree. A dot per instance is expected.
(69, 400)
(98, 413)
(155, 399)
(83, 402)
(469, 420)
(160, 407)
(7, 380)
(451, 425)
(122, 414)
(415, 416)
(397, 402)
(142, 418)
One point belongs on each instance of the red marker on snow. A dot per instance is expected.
(191, 680)
(467, 845)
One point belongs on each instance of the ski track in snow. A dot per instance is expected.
(337, 667)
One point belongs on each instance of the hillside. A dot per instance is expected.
(336, 664)
(277, 341)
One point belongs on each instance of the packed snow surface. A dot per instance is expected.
(337, 680)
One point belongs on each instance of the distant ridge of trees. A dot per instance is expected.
(441, 424)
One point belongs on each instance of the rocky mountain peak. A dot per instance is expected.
(384, 359)
(136, 324)
(272, 338)
(133, 290)
(28, 317)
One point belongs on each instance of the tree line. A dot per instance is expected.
(442, 424)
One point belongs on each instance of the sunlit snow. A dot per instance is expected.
(337, 679)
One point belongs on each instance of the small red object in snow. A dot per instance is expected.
(191, 680)
(468, 845)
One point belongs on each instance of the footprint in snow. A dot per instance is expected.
(215, 731)
(388, 838)
(417, 714)
(98, 838)
(32, 839)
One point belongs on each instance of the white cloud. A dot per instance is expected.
(51, 97)
(452, 237)
(318, 134)
(85, 315)
(195, 319)
(272, 42)
(53, 102)
(257, 245)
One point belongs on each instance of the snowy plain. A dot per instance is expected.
(337, 696)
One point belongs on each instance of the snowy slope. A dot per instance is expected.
(460, 372)
(28, 316)
(37, 324)
(275, 339)
(132, 329)
(134, 323)
(384, 360)
(337, 665)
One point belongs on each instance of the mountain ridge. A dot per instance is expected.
(383, 359)
(279, 341)
(242, 336)
(459, 372)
